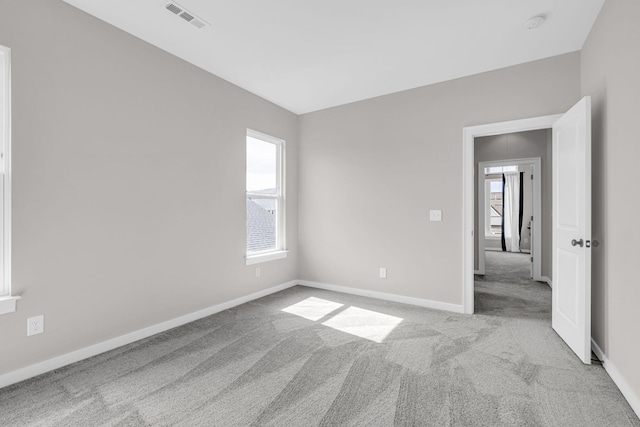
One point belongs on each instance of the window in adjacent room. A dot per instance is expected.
(493, 207)
(265, 198)
(500, 169)
(7, 301)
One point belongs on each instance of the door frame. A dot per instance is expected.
(536, 211)
(469, 134)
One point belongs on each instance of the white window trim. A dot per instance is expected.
(487, 211)
(280, 250)
(7, 301)
(8, 304)
(265, 257)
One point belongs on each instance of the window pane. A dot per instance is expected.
(500, 169)
(495, 202)
(261, 224)
(261, 166)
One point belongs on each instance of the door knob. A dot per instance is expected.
(575, 242)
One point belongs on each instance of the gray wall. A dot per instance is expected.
(611, 75)
(371, 171)
(128, 192)
(518, 146)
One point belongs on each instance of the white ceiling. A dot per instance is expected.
(306, 56)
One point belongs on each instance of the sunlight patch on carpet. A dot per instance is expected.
(313, 308)
(363, 323)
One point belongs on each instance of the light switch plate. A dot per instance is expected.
(435, 215)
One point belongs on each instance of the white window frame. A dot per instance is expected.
(493, 170)
(7, 300)
(487, 209)
(280, 250)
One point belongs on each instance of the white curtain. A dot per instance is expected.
(511, 212)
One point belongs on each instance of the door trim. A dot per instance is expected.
(468, 189)
(536, 210)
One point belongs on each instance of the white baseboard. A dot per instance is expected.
(597, 350)
(93, 350)
(384, 296)
(477, 272)
(492, 249)
(546, 280)
(623, 386)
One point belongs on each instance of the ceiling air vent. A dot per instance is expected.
(173, 8)
(198, 23)
(180, 11)
(186, 16)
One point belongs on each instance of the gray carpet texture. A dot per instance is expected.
(309, 357)
(507, 290)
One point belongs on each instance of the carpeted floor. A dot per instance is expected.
(507, 290)
(306, 357)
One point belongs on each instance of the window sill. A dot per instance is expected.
(269, 256)
(8, 304)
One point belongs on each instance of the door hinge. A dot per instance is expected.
(531, 259)
(531, 177)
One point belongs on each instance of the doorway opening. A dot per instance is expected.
(519, 213)
(469, 189)
(509, 227)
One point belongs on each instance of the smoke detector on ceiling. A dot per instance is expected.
(535, 22)
(191, 18)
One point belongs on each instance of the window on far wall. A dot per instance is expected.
(500, 169)
(7, 302)
(265, 198)
(493, 207)
(493, 200)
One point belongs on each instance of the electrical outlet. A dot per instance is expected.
(257, 271)
(383, 273)
(35, 325)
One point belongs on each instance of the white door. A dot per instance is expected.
(571, 312)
